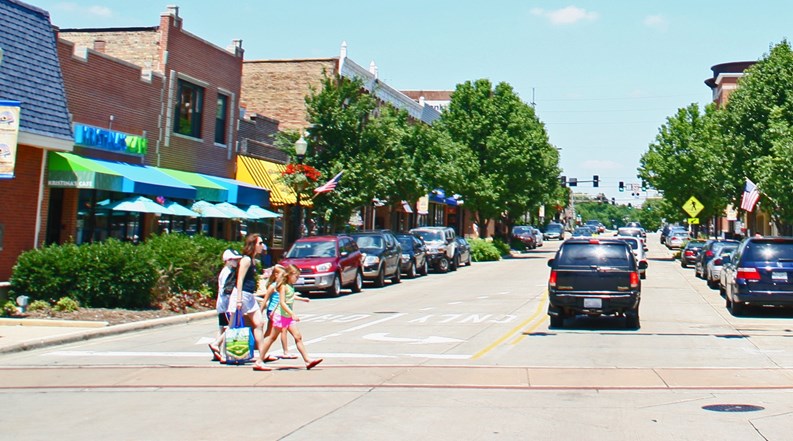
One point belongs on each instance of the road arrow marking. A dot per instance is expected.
(383, 336)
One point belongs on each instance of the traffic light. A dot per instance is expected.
(573, 182)
(563, 180)
(595, 180)
(622, 186)
(644, 185)
(613, 201)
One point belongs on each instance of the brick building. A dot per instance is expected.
(157, 106)
(33, 122)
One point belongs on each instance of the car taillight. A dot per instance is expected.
(634, 279)
(709, 253)
(594, 241)
(748, 274)
(717, 261)
(552, 279)
(689, 253)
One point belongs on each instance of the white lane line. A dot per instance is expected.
(354, 328)
(455, 303)
(109, 354)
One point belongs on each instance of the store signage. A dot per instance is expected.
(95, 137)
(9, 132)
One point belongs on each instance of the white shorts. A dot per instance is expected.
(249, 303)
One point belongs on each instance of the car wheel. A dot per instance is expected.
(335, 288)
(380, 280)
(443, 264)
(358, 284)
(737, 309)
(425, 269)
(683, 263)
(468, 262)
(557, 322)
(722, 291)
(397, 277)
(632, 320)
(712, 284)
(642, 276)
(455, 263)
(412, 270)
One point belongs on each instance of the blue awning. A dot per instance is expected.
(242, 193)
(149, 181)
(439, 196)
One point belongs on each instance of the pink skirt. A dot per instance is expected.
(280, 321)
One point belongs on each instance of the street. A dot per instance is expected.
(462, 355)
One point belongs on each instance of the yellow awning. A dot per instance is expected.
(266, 174)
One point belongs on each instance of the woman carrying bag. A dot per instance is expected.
(244, 301)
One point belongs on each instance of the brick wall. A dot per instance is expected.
(279, 88)
(139, 46)
(19, 200)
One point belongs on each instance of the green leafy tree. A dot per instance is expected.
(774, 170)
(515, 167)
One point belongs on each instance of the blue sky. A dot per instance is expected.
(604, 75)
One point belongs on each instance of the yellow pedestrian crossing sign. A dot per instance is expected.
(693, 206)
(693, 221)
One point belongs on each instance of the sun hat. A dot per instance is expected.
(231, 254)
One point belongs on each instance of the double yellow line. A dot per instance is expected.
(539, 312)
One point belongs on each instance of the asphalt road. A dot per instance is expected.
(463, 355)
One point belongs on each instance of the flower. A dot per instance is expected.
(299, 175)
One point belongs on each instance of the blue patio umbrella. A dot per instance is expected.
(234, 211)
(179, 210)
(257, 212)
(207, 209)
(137, 204)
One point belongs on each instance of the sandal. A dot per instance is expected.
(261, 368)
(313, 364)
(287, 357)
(270, 358)
(216, 355)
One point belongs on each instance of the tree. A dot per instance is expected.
(515, 168)
(774, 170)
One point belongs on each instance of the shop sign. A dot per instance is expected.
(423, 205)
(98, 138)
(9, 132)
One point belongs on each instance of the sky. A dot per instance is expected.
(603, 75)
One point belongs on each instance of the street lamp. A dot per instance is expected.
(300, 150)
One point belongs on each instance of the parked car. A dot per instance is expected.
(553, 231)
(635, 232)
(676, 239)
(710, 250)
(463, 251)
(690, 252)
(441, 247)
(538, 237)
(382, 254)
(525, 234)
(759, 272)
(596, 226)
(327, 263)
(638, 251)
(414, 255)
(668, 228)
(713, 269)
(594, 277)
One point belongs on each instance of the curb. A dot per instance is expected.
(106, 331)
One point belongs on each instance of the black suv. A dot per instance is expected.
(594, 277)
(381, 256)
(759, 272)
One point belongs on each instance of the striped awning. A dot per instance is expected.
(266, 174)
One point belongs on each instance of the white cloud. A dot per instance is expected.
(565, 16)
(656, 22)
(100, 11)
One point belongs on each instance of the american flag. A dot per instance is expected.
(330, 185)
(750, 196)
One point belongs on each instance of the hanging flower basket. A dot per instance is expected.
(299, 176)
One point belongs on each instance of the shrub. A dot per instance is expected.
(501, 246)
(38, 305)
(66, 304)
(9, 309)
(47, 273)
(483, 250)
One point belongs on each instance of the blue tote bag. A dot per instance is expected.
(239, 341)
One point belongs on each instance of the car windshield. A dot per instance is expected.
(604, 254)
(553, 228)
(369, 241)
(521, 230)
(406, 242)
(312, 249)
(632, 242)
(768, 252)
(430, 236)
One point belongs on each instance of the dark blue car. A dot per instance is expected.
(759, 272)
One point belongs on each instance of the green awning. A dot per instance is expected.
(205, 189)
(66, 170)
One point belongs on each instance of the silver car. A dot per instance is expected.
(715, 265)
(537, 237)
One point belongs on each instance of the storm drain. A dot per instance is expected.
(733, 408)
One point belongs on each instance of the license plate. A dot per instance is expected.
(300, 281)
(779, 277)
(593, 303)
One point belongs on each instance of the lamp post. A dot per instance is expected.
(300, 150)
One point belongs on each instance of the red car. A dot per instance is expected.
(327, 263)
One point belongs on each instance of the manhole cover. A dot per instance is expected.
(733, 408)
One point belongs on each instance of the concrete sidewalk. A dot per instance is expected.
(25, 334)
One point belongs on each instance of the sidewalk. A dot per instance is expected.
(25, 334)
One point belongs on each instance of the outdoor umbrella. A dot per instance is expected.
(233, 210)
(138, 204)
(206, 209)
(179, 210)
(257, 212)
